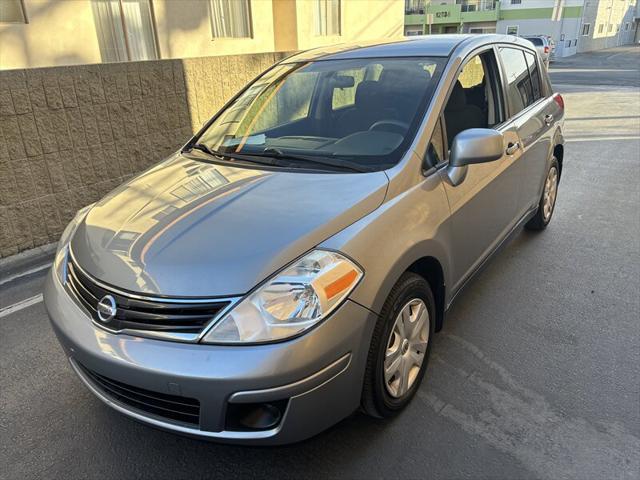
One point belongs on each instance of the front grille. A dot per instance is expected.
(171, 407)
(169, 316)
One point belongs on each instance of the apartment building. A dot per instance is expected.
(559, 19)
(608, 23)
(450, 16)
(36, 33)
(574, 25)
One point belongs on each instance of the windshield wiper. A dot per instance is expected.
(233, 156)
(324, 161)
(200, 146)
(271, 157)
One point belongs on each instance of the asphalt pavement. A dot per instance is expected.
(536, 373)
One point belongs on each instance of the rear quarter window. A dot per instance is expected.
(534, 73)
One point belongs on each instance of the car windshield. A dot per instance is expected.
(363, 112)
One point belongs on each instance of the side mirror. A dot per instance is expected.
(476, 145)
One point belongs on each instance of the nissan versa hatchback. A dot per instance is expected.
(291, 263)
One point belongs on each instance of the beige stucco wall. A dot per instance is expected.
(360, 20)
(59, 32)
(284, 28)
(63, 32)
(184, 30)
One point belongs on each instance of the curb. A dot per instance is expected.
(23, 261)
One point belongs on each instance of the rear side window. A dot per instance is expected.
(534, 72)
(519, 89)
(536, 41)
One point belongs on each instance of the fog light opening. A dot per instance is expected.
(254, 416)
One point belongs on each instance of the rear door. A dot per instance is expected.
(531, 112)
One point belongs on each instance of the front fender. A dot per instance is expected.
(411, 226)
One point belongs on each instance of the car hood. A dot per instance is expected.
(195, 229)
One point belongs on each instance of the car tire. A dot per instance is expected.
(383, 394)
(549, 193)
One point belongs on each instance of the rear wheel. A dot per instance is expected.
(400, 347)
(548, 200)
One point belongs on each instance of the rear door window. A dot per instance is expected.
(519, 88)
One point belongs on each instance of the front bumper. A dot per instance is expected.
(319, 374)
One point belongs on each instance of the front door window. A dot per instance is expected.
(474, 100)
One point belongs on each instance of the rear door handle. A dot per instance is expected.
(512, 148)
(548, 119)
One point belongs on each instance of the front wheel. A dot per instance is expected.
(548, 200)
(400, 347)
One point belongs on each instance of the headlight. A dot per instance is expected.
(291, 302)
(60, 262)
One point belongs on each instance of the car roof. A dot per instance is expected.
(415, 46)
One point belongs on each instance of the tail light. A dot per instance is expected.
(559, 100)
(546, 49)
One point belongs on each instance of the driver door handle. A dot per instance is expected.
(512, 148)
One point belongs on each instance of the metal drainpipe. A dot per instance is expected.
(606, 39)
(561, 13)
(579, 33)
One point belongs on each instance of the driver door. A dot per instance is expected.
(484, 206)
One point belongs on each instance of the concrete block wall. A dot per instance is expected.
(69, 135)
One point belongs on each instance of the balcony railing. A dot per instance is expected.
(476, 6)
(413, 7)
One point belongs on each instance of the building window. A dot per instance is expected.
(477, 30)
(610, 28)
(512, 30)
(626, 26)
(412, 7)
(601, 28)
(516, 2)
(125, 30)
(327, 17)
(586, 29)
(12, 11)
(413, 33)
(230, 18)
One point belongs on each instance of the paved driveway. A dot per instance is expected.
(535, 374)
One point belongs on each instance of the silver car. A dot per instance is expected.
(291, 263)
(544, 45)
